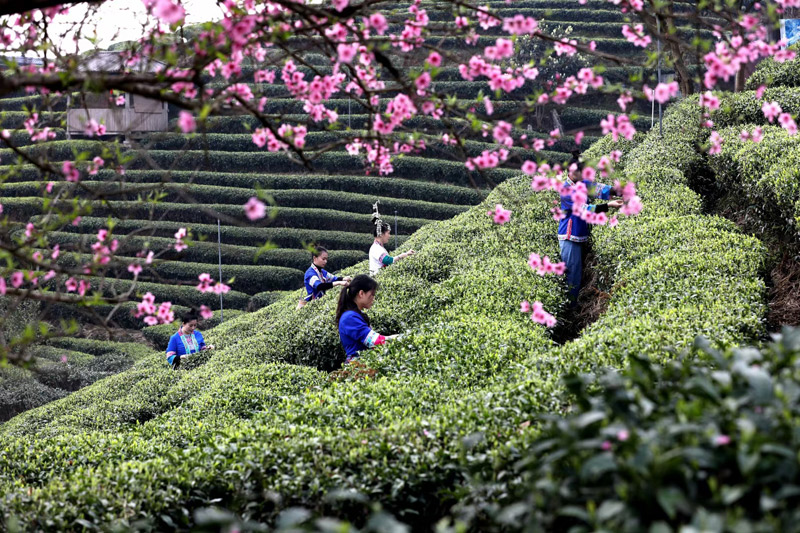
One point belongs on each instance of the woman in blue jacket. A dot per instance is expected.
(317, 280)
(354, 330)
(186, 341)
(573, 231)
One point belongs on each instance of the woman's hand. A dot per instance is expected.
(616, 204)
(342, 282)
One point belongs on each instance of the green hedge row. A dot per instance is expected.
(763, 174)
(383, 186)
(774, 74)
(50, 378)
(303, 199)
(22, 138)
(317, 140)
(185, 295)
(744, 108)
(15, 119)
(278, 269)
(410, 167)
(33, 102)
(243, 236)
(24, 208)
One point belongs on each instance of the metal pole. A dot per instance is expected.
(395, 229)
(219, 249)
(653, 109)
(660, 123)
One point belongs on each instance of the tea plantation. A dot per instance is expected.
(476, 418)
(456, 409)
(218, 169)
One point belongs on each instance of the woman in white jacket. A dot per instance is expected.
(379, 258)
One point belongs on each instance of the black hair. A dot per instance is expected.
(362, 282)
(384, 229)
(576, 158)
(190, 315)
(317, 251)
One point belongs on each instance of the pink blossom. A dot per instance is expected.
(787, 123)
(64, 358)
(636, 35)
(525, 307)
(339, 5)
(166, 10)
(760, 91)
(710, 101)
(606, 446)
(422, 82)
(378, 22)
(179, 244)
(3, 287)
(500, 215)
(17, 278)
(771, 110)
(613, 222)
(541, 316)
(56, 252)
(186, 122)
(663, 92)
(434, 59)
(624, 99)
(260, 137)
(93, 128)
(632, 207)
(94, 166)
(262, 76)
(487, 104)
(205, 312)
(135, 269)
(255, 209)
(716, 141)
(722, 440)
(618, 125)
(529, 168)
(623, 435)
(70, 172)
(347, 52)
(120, 100)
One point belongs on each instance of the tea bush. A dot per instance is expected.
(764, 173)
(707, 440)
(256, 426)
(772, 73)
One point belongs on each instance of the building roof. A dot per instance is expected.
(111, 61)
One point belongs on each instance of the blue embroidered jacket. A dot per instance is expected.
(183, 344)
(571, 227)
(317, 281)
(356, 335)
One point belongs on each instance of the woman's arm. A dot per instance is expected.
(172, 346)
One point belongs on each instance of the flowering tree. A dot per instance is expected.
(363, 46)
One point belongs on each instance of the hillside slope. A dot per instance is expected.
(258, 425)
